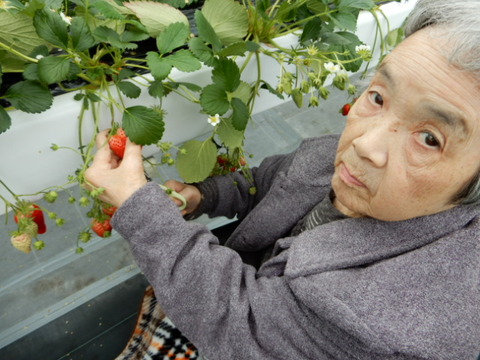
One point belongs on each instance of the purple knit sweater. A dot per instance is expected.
(350, 289)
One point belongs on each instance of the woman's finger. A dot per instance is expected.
(103, 157)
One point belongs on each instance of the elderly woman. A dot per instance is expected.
(374, 235)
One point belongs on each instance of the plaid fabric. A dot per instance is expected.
(155, 337)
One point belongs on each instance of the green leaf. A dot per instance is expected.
(159, 67)
(174, 36)
(345, 20)
(17, 31)
(198, 161)
(272, 90)
(156, 16)
(129, 36)
(226, 74)
(108, 35)
(31, 72)
(183, 60)
(357, 4)
(244, 92)
(229, 136)
(190, 86)
(40, 50)
(108, 10)
(235, 49)
(73, 71)
(143, 125)
(311, 31)
(335, 39)
(350, 41)
(29, 96)
(317, 7)
(129, 89)
(125, 74)
(82, 38)
(394, 37)
(156, 89)
(206, 32)
(240, 114)
(213, 100)
(5, 120)
(92, 96)
(202, 51)
(228, 18)
(51, 27)
(53, 69)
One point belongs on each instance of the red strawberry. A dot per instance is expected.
(222, 159)
(117, 142)
(102, 228)
(109, 209)
(36, 215)
(346, 109)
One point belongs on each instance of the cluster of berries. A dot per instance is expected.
(31, 222)
(100, 225)
(225, 165)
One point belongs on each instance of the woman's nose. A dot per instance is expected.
(372, 145)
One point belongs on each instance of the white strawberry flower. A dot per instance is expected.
(214, 120)
(364, 51)
(331, 67)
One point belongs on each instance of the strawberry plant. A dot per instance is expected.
(96, 49)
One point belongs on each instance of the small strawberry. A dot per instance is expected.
(346, 109)
(22, 242)
(222, 159)
(33, 212)
(102, 228)
(109, 209)
(117, 142)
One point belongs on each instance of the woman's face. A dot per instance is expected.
(412, 140)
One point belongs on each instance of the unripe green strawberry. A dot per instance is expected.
(39, 245)
(84, 236)
(30, 228)
(51, 196)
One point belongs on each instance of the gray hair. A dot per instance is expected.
(459, 23)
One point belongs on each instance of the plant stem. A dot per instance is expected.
(80, 132)
(19, 54)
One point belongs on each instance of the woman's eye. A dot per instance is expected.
(430, 140)
(377, 98)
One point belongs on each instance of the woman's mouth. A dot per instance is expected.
(348, 178)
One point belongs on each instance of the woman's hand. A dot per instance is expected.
(189, 192)
(119, 177)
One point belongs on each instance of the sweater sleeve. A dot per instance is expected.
(235, 194)
(205, 289)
